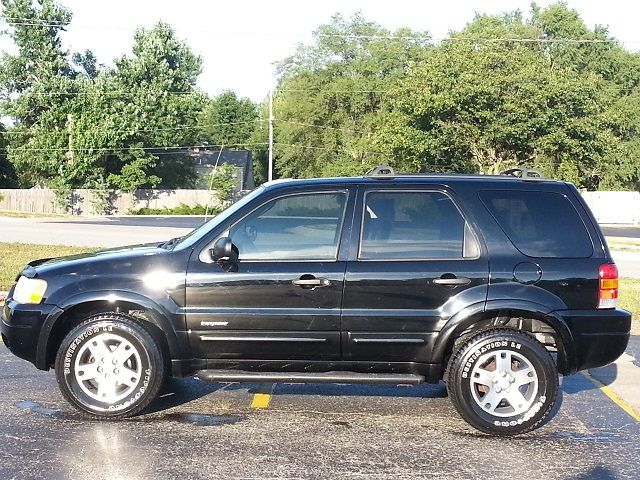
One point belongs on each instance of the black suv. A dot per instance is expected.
(494, 284)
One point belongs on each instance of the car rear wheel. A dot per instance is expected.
(503, 382)
(110, 366)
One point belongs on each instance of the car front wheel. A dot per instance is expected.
(110, 366)
(503, 382)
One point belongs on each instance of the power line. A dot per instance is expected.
(325, 127)
(16, 21)
(283, 90)
(134, 131)
(291, 145)
(124, 149)
(113, 93)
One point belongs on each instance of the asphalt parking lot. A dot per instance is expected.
(214, 431)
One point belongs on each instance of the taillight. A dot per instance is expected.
(608, 288)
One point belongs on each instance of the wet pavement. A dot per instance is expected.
(210, 431)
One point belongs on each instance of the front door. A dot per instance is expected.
(416, 264)
(281, 299)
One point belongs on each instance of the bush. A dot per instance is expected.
(182, 209)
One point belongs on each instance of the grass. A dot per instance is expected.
(624, 244)
(629, 295)
(182, 209)
(11, 213)
(14, 256)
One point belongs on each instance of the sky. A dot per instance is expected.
(240, 40)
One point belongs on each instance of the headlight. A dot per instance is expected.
(29, 290)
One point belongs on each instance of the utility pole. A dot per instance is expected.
(271, 135)
(70, 133)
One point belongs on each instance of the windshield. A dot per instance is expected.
(195, 235)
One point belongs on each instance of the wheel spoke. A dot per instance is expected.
(503, 364)
(88, 371)
(515, 398)
(128, 377)
(123, 352)
(524, 376)
(491, 400)
(106, 389)
(483, 377)
(98, 348)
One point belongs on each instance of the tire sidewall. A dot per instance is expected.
(544, 368)
(150, 363)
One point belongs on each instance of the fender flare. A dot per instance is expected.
(469, 315)
(159, 317)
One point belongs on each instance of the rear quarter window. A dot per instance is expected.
(539, 224)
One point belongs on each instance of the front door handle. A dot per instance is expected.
(452, 281)
(311, 282)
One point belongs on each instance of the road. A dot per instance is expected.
(211, 431)
(621, 231)
(83, 232)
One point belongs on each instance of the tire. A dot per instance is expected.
(110, 366)
(503, 382)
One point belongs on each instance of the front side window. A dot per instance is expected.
(295, 227)
(414, 225)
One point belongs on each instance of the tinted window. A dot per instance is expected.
(296, 227)
(414, 225)
(540, 224)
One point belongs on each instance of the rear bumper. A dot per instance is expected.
(21, 326)
(599, 336)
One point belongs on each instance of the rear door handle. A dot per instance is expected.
(312, 282)
(452, 281)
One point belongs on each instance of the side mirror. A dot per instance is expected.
(223, 251)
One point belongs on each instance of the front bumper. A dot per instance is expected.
(21, 327)
(599, 336)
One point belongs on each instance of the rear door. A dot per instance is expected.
(414, 264)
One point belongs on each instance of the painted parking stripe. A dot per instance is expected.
(614, 397)
(262, 397)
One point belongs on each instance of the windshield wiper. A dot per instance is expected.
(169, 243)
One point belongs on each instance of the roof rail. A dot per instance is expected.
(524, 173)
(381, 171)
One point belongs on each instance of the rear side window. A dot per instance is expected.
(539, 224)
(414, 226)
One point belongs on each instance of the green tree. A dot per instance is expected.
(8, 178)
(156, 113)
(332, 96)
(78, 124)
(223, 182)
(481, 104)
(37, 87)
(228, 120)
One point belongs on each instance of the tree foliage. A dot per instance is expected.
(228, 120)
(77, 124)
(331, 96)
(473, 103)
(539, 90)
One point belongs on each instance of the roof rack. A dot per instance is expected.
(381, 171)
(524, 173)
